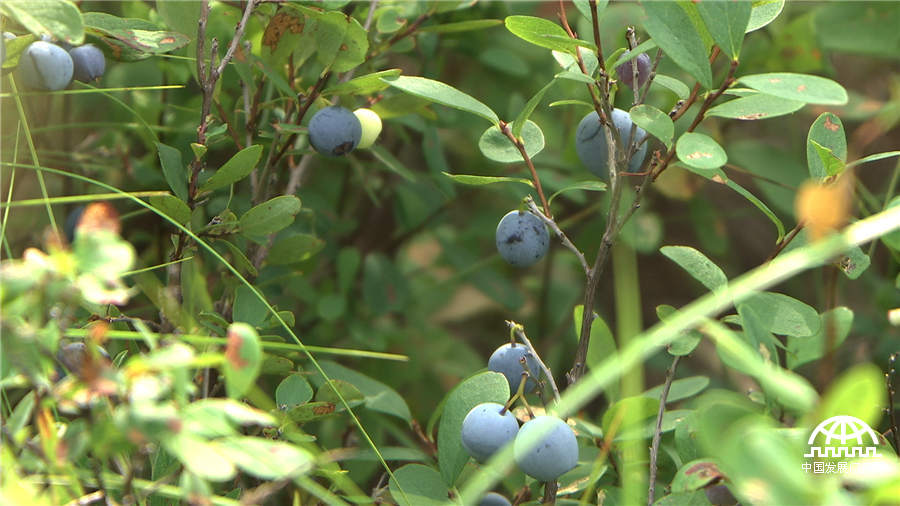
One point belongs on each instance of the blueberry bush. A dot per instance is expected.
(262, 251)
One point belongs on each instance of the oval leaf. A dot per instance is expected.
(418, 485)
(488, 386)
(594, 186)
(267, 460)
(763, 13)
(700, 151)
(173, 207)
(785, 315)
(269, 217)
(828, 132)
(293, 391)
(236, 168)
(542, 32)
(243, 358)
(497, 147)
(654, 121)
(671, 27)
(59, 18)
(756, 106)
(727, 23)
(697, 265)
(443, 94)
(471, 180)
(802, 87)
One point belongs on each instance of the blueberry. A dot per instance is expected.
(626, 70)
(74, 356)
(334, 131)
(371, 127)
(545, 448)
(494, 499)
(45, 66)
(89, 62)
(505, 360)
(522, 238)
(590, 142)
(485, 430)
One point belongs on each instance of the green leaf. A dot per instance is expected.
(173, 170)
(832, 164)
(801, 350)
(584, 7)
(580, 103)
(538, 31)
(293, 391)
(654, 121)
(523, 116)
(378, 396)
(594, 186)
(236, 168)
(472, 180)
(130, 39)
(444, 94)
(854, 262)
(763, 13)
(572, 75)
(240, 260)
(462, 26)
(859, 392)
(266, 460)
(59, 18)
(294, 248)
(418, 485)
(756, 106)
(677, 87)
(601, 347)
(727, 23)
(697, 265)
(700, 151)
(200, 457)
(247, 307)
(269, 217)
(828, 132)
(353, 49)
(686, 342)
(803, 87)
(328, 392)
(497, 147)
(243, 358)
(696, 475)
(680, 389)
(311, 411)
(173, 207)
(362, 85)
(671, 27)
(487, 386)
(785, 315)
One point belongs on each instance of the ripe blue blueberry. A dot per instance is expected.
(89, 62)
(334, 131)
(545, 448)
(522, 238)
(45, 66)
(506, 360)
(485, 430)
(494, 499)
(626, 70)
(590, 142)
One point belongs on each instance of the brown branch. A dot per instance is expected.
(595, 23)
(654, 447)
(409, 30)
(507, 131)
(520, 333)
(892, 392)
(231, 130)
(701, 114)
(785, 241)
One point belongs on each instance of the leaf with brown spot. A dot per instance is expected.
(243, 359)
(280, 24)
(695, 475)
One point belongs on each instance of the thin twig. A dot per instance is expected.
(550, 489)
(595, 23)
(520, 333)
(563, 238)
(654, 447)
(507, 131)
(784, 242)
